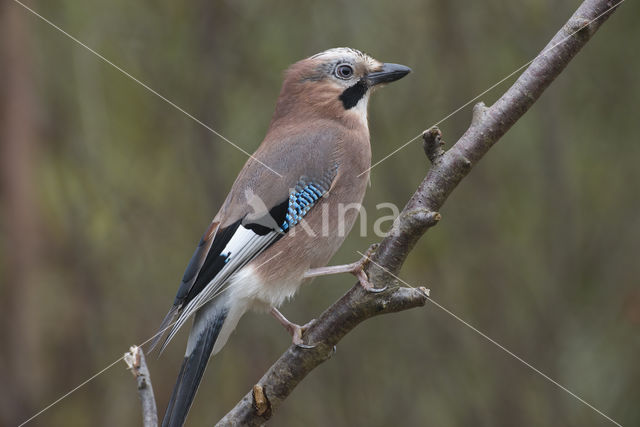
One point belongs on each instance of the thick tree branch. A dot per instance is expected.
(489, 124)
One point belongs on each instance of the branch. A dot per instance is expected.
(137, 364)
(488, 125)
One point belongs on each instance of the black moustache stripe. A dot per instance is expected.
(353, 94)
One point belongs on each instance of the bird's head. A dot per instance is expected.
(335, 83)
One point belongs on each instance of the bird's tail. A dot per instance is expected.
(212, 325)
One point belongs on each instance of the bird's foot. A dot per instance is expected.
(296, 331)
(359, 272)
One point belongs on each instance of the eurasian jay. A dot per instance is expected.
(279, 225)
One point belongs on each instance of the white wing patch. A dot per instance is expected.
(240, 239)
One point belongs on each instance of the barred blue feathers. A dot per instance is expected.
(304, 196)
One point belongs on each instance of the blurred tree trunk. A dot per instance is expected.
(20, 364)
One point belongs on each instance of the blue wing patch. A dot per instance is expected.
(304, 196)
(301, 200)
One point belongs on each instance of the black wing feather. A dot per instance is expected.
(211, 266)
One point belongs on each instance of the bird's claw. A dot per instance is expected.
(297, 335)
(304, 346)
(376, 290)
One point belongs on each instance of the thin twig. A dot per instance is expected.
(137, 364)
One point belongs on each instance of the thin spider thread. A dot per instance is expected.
(497, 344)
(507, 77)
(147, 87)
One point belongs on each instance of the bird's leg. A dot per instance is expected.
(356, 268)
(294, 330)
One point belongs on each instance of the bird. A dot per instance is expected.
(280, 223)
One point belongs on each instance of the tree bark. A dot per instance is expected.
(488, 125)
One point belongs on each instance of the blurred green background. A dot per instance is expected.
(106, 189)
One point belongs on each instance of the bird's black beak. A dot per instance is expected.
(389, 73)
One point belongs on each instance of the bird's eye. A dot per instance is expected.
(344, 71)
